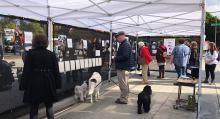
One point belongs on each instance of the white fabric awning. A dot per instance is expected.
(142, 17)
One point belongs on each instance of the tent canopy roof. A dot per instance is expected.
(142, 17)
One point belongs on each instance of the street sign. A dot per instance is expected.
(215, 24)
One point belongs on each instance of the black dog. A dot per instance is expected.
(144, 99)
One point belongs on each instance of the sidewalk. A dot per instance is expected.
(163, 98)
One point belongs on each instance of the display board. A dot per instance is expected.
(170, 44)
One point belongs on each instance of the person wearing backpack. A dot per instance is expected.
(161, 59)
(210, 63)
(218, 54)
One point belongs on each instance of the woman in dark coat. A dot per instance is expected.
(40, 77)
(161, 59)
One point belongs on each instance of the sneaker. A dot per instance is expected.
(205, 81)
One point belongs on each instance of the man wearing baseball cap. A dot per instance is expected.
(123, 61)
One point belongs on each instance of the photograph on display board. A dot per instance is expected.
(170, 44)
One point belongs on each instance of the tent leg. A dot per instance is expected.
(202, 36)
(110, 53)
(136, 52)
(50, 34)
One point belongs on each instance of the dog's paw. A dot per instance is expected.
(139, 112)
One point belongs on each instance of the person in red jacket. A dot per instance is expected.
(145, 60)
(161, 59)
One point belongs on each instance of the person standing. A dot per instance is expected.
(180, 57)
(161, 59)
(211, 62)
(145, 60)
(40, 77)
(123, 61)
(194, 56)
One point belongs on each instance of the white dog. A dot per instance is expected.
(81, 91)
(90, 88)
(94, 86)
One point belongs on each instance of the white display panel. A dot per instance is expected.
(86, 63)
(82, 63)
(73, 66)
(69, 43)
(77, 64)
(90, 62)
(97, 53)
(67, 65)
(61, 67)
(93, 62)
(97, 61)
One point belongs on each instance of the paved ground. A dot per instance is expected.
(163, 98)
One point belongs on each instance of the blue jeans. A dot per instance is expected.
(180, 70)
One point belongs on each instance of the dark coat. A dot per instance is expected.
(124, 59)
(40, 77)
(160, 54)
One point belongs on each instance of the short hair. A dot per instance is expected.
(40, 40)
(194, 44)
(120, 33)
(141, 44)
(181, 41)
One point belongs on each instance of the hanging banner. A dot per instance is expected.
(69, 43)
(28, 36)
(85, 44)
(170, 44)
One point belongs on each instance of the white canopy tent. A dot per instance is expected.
(136, 17)
(142, 17)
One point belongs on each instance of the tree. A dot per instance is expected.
(210, 30)
(7, 23)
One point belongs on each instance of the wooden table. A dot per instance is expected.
(189, 82)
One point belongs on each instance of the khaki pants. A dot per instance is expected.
(123, 77)
(144, 73)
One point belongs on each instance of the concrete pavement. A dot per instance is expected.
(163, 99)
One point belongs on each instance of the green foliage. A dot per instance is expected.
(210, 30)
(7, 23)
(34, 27)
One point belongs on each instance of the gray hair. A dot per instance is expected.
(141, 44)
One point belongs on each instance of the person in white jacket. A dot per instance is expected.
(211, 62)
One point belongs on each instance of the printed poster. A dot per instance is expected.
(69, 43)
(170, 44)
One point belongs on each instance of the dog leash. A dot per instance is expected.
(118, 86)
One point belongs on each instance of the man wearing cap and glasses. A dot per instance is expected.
(123, 61)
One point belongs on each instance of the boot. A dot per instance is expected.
(160, 75)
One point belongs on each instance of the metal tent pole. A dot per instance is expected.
(215, 31)
(202, 36)
(110, 52)
(136, 52)
(49, 28)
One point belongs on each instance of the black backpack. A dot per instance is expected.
(218, 58)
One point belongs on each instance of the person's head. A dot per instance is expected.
(212, 46)
(141, 44)
(181, 41)
(120, 36)
(40, 41)
(194, 44)
(160, 42)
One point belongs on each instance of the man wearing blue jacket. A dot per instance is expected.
(123, 61)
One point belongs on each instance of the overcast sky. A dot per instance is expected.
(212, 6)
